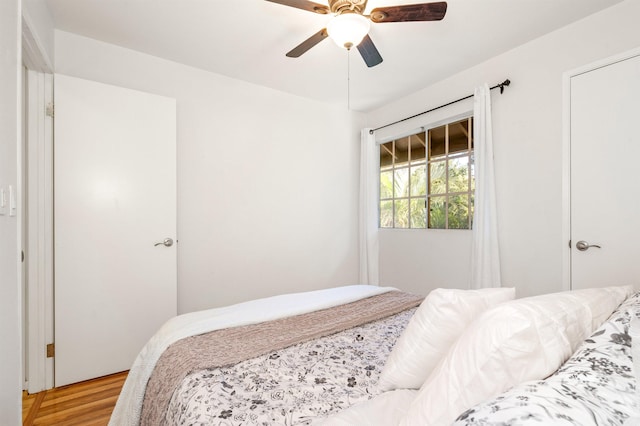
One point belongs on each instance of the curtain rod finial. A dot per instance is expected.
(371, 131)
(507, 82)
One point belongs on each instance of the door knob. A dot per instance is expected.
(167, 242)
(584, 246)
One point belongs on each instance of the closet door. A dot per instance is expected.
(605, 189)
(115, 200)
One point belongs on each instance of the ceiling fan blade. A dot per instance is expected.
(304, 5)
(308, 44)
(369, 52)
(410, 12)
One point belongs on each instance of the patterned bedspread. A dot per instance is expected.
(291, 386)
(596, 386)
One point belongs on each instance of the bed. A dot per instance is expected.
(366, 355)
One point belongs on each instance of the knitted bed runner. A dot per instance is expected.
(229, 346)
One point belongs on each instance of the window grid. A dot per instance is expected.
(413, 162)
(407, 196)
(447, 158)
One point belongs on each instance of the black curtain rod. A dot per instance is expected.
(502, 85)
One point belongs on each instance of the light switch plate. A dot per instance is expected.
(3, 201)
(13, 207)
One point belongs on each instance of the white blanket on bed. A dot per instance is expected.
(129, 405)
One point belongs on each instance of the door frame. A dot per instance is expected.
(36, 189)
(39, 227)
(566, 153)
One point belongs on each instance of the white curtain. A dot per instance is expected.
(368, 208)
(485, 253)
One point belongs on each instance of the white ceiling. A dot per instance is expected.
(248, 39)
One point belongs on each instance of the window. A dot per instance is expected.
(403, 183)
(426, 179)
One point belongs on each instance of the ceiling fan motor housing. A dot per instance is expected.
(342, 6)
(350, 26)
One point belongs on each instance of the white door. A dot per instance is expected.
(115, 198)
(605, 175)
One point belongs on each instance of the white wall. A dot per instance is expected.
(10, 293)
(267, 181)
(35, 14)
(528, 152)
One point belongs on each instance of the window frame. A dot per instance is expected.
(426, 162)
(409, 166)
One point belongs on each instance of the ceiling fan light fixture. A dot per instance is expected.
(348, 29)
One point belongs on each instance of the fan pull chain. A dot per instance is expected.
(349, 79)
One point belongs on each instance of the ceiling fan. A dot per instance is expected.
(350, 26)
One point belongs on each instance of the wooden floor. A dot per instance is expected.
(86, 403)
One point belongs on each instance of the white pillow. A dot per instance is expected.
(602, 309)
(522, 340)
(438, 322)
